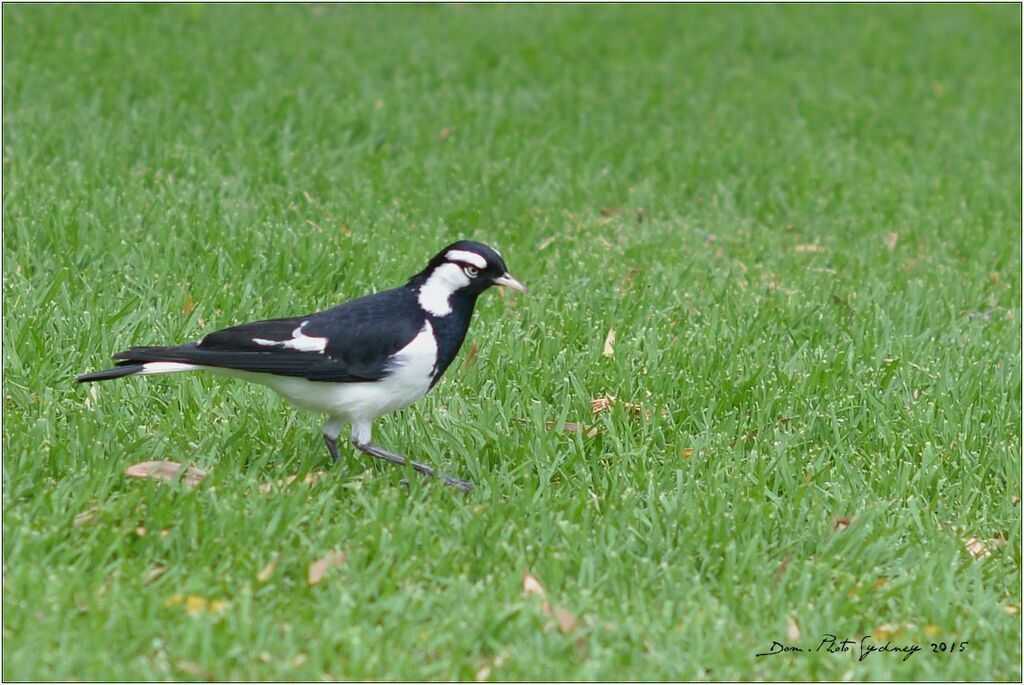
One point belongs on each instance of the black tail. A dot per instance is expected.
(119, 371)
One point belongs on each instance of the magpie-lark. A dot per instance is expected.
(354, 362)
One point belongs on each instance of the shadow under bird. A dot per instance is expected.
(353, 362)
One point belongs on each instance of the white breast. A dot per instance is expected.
(411, 371)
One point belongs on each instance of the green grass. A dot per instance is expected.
(656, 170)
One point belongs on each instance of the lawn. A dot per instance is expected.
(801, 222)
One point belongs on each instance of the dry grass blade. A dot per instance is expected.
(191, 668)
(309, 479)
(792, 630)
(609, 343)
(319, 567)
(186, 306)
(166, 471)
(83, 518)
(265, 572)
(976, 548)
(979, 549)
(599, 404)
(809, 248)
(885, 631)
(194, 605)
(470, 355)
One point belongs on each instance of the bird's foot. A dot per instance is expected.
(377, 452)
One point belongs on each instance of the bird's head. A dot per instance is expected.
(464, 269)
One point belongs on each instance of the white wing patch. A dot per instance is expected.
(300, 341)
(467, 257)
(445, 280)
(151, 368)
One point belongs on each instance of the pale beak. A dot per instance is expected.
(507, 280)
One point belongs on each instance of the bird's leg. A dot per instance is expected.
(331, 431)
(332, 447)
(361, 441)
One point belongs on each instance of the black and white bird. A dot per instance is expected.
(354, 362)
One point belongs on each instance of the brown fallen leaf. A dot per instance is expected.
(572, 427)
(792, 630)
(532, 586)
(839, 522)
(166, 471)
(186, 306)
(319, 567)
(470, 355)
(565, 620)
(609, 343)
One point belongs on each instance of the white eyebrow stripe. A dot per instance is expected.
(467, 257)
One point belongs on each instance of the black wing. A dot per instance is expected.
(358, 337)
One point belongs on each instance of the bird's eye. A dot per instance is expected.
(471, 271)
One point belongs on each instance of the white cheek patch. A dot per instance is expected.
(467, 258)
(445, 280)
(300, 341)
